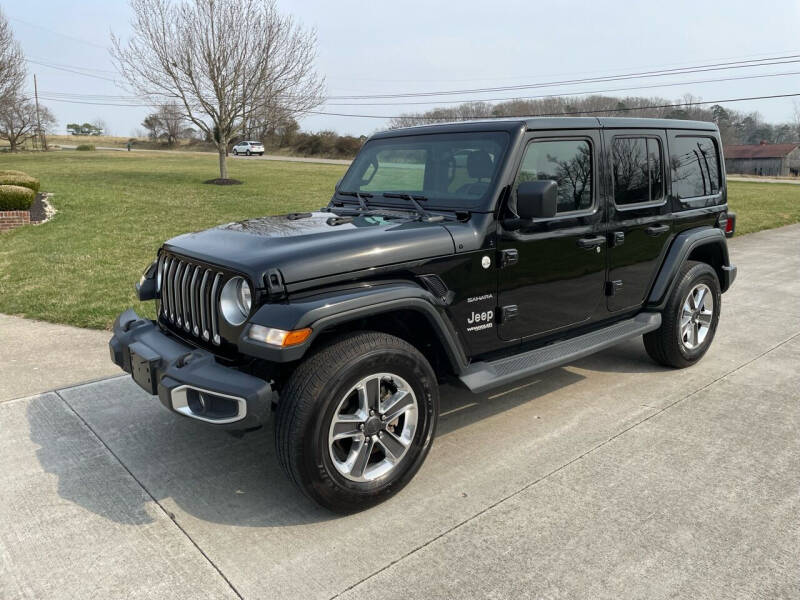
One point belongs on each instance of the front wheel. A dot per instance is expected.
(235, 153)
(689, 320)
(356, 420)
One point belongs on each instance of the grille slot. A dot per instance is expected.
(190, 297)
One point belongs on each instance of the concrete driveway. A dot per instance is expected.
(610, 478)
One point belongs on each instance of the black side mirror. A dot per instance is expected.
(537, 199)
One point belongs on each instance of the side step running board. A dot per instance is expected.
(482, 376)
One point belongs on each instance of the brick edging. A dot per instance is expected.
(11, 219)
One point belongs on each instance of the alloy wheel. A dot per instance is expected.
(697, 315)
(373, 427)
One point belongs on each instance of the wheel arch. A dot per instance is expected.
(706, 245)
(402, 309)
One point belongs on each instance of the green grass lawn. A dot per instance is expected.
(115, 210)
(763, 205)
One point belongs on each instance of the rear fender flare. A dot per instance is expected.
(679, 251)
(325, 310)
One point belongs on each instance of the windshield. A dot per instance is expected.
(448, 169)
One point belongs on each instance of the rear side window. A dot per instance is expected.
(568, 163)
(638, 170)
(695, 167)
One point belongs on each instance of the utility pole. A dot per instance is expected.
(42, 139)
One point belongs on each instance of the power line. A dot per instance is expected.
(64, 35)
(517, 77)
(557, 95)
(73, 70)
(118, 100)
(777, 60)
(559, 114)
(750, 63)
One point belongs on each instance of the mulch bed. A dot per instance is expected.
(38, 213)
(220, 181)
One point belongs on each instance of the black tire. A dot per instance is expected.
(235, 153)
(665, 345)
(311, 399)
(261, 154)
(248, 153)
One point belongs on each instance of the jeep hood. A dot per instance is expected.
(312, 245)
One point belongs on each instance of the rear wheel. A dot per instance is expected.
(356, 420)
(248, 153)
(689, 321)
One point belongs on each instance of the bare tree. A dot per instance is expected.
(12, 62)
(223, 61)
(18, 120)
(101, 127)
(172, 120)
(796, 121)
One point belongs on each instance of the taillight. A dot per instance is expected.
(727, 223)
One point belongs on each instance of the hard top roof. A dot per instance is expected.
(549, 123)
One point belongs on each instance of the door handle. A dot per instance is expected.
(655, 230)
(592, 242)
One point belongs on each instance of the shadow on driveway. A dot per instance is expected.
(218, 478)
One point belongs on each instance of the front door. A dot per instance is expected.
(554, 273)
(640, 223)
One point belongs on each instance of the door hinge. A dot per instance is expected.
(508, 257)
(612, 287)
(508, 312)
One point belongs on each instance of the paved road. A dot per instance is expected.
(326, 161)
(610, 478)
(762, 180)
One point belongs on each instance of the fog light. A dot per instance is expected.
(278, 337)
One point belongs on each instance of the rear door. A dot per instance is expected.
(640, 219)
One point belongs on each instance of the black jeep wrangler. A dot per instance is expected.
(477, 252)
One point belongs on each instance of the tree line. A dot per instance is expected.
(735, 127)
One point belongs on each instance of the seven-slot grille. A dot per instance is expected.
(190, 297)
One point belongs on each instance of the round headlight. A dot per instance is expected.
(235, 301)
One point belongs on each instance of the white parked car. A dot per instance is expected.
(248, 148)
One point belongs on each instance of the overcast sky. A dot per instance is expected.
(378, 47)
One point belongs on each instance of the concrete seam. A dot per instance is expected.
(562, 467)
(68, 387)
(152, 497)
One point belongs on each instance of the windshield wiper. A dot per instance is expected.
(360, 196)
(421, 212)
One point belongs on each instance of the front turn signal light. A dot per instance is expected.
(278, 337)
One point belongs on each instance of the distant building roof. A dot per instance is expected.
(761, 150)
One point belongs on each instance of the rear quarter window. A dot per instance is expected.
(695, 167)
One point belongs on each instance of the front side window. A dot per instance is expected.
(695, 167)
(568, 163)
(637, 170)
(448, 169)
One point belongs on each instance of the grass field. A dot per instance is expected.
(115, 209)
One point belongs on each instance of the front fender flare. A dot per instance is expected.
(679, 251)
(328, 309)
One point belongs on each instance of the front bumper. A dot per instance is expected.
(188, 380)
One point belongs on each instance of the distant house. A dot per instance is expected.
(763, 159)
